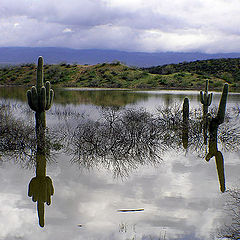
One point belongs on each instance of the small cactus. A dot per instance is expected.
(205, 98)
(40, 97)
(186, 109)
(185, 122)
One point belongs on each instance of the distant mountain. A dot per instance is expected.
(18, 55)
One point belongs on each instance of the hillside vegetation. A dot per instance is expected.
(116, 75)
(227, 69)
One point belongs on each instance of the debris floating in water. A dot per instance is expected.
(131, 210)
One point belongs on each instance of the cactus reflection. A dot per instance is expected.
(214, 123)
(41, 187)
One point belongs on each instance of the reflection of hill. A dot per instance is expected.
(96, 97)
(17, 93)
(99, 97)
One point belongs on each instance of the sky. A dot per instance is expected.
(128, 25)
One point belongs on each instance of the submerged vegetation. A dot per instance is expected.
(190, 75)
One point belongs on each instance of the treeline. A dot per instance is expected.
(227, 69)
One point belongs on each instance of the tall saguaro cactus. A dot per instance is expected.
(40, 97)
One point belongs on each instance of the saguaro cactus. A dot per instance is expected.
(206, 98)
(40, 97)
(185, 122)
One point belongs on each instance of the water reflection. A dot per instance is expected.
(17, 138)
(231, 230)
(123, 139)
(41, 187)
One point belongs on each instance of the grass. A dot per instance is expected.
(106, 75)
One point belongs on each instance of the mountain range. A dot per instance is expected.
(21, 55)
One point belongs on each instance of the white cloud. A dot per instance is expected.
(136, 25)
(67, 30)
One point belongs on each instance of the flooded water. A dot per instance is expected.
(118, 164)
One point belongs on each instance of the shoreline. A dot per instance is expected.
(74, 87)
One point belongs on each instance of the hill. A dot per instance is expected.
(52, 55)
(227, 69)
(106, 75)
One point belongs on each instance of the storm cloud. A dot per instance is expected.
(136, 25)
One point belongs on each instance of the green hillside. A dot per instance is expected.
(116, 75)
(227, 69)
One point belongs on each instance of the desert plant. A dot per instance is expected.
(185, 122)
(40, 97)
(206, 98)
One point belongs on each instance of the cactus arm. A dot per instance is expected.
(49, 96)
(50, 185)
(40, 209)
(43, 101)
(48, 88)
(31, 187)
(209, 99)
(220, 170)
(29, 98)
(35, 196)
(51, 99)
(34, 97)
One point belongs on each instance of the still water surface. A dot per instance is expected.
(175, 190)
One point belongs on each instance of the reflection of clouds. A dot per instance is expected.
(14, 217)
(182, 201)
(181, 196)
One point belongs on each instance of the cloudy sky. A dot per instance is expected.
(130, 25)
